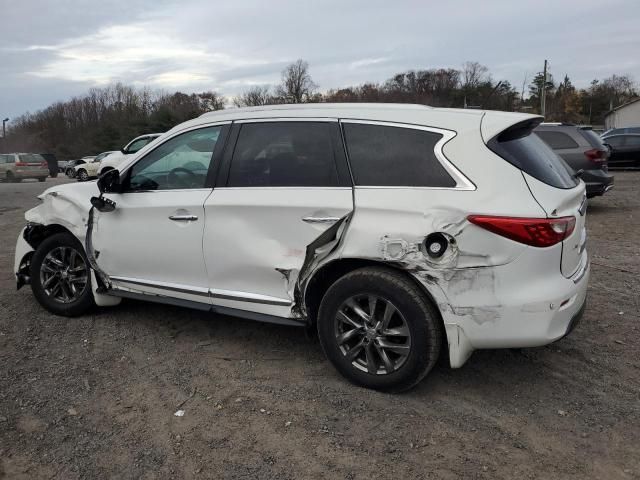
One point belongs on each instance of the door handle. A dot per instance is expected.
(183, 218)
(320, 219)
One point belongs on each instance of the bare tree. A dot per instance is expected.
(297, 85)
(255, 97)
(473, 74)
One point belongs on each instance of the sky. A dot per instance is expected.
(52, 50)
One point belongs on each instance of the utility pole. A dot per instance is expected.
(543, 94)
(4, 133)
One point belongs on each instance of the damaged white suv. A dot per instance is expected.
(397, 230)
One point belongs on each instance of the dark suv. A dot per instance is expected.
(582, 149)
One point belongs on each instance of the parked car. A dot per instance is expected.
(52, 164)
(583, 151)
(88, 170)
(625, 150)
(620, 131)
(71, 164)
(127, 151)
(398, 231)
(16, 166)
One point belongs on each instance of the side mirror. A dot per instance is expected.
(122, 150)
(109, 182)
(103, 204)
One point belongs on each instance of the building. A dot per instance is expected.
(626, 115)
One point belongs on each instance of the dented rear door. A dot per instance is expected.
(283, 185)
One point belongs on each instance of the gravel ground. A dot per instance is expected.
(95, 396)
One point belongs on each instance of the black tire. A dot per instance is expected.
(416, 310)
(83, 176)
(42, 179)
(84, 302)
(11, 178)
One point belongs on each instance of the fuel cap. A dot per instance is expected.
(435, 244)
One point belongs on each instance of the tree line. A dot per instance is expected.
(107, 118)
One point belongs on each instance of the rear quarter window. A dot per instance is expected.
(383, 155)
(557, 140)
(532, 155)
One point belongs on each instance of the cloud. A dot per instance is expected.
(227, 46)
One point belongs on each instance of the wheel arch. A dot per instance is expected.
(326, 275)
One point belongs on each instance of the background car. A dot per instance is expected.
(581, 149)
(16, 166)
(621, 130)
(129, 149)
(70, 171)
(88, 170)
(625, 150)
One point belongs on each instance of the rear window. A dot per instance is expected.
(531, 155)
(556, 140)
(394, 156)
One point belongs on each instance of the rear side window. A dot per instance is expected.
(284, 154)
(557, 140)
(633, 140)
(615, 141)
(394, 156)
(531, 155)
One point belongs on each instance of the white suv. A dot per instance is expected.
(86, 171)
(396, 230)
(130, 149)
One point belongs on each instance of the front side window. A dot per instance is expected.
(137, 145)
(283, 154)
(181, 162)
(394, 156)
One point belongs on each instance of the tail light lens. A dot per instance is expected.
(596, 155)
(21, 164)
(44, 164)
(537, 232)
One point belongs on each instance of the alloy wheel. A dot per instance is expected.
(372, 334)
(64, 274)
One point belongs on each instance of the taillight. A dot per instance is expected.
(537, 232)
(44, 164)
(596, 155)
(21, 164)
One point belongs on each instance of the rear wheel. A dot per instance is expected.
(71, 173)
(60, 276)
(11, 178)
(379, 330)
(42, 179)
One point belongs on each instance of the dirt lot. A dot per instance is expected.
(94, 397)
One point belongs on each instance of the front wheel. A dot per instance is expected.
(83, 176)
(60, 276)
(379, 330)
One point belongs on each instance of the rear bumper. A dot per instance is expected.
(597, 182)
(519, 308)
